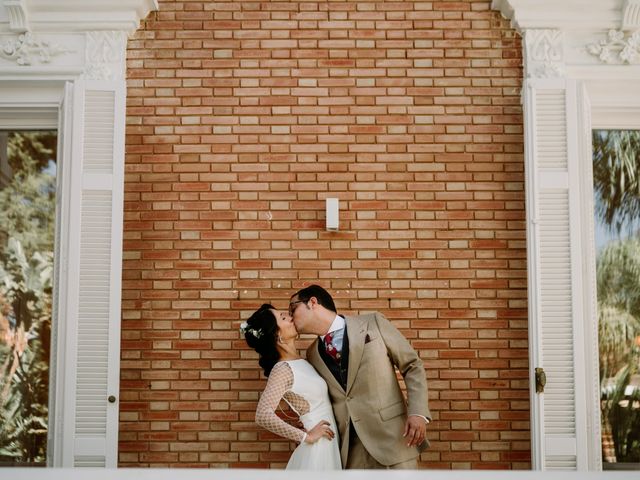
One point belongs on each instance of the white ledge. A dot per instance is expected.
(239, 474)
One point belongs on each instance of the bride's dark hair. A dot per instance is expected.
(261, 332)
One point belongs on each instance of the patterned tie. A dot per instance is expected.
(330, 348)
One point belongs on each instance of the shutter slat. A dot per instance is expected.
(93, 322)
(99, 131)
(551, 126)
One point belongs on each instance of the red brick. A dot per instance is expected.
(242, 118)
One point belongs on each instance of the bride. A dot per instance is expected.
(272, 334)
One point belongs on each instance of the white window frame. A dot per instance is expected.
(60, 106)
(28, 113)
(560, 43)
(85, 359)
(78, 52)
(614, 105)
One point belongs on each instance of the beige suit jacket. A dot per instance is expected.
(373, 401)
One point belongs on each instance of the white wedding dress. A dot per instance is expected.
(306, 392)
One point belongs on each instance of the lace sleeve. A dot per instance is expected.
(280, 380)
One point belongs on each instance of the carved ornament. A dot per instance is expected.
(616, 48)
(631, 15)
(105, 55)
(18, 14)
(27, 49)
(544, 53)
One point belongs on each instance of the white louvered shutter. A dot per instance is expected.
(94, 264)
(554, 263)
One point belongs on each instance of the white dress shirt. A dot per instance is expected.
(338, 327)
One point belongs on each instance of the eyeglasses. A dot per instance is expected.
(292, 306)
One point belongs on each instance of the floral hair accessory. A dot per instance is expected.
(244, 328)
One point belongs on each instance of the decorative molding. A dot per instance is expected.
(27, 117)
(589, 300)
(544, 53)
(105, 55)
(616, 48)
(29, 50)
(18, 15)
(631, 16)
(562, 15)
(70, 16)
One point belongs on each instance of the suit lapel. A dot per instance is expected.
(356, 330)
(314, 358)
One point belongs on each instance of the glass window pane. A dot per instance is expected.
(616, 170)
(27, 221)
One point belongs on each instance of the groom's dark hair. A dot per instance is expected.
(323, 297)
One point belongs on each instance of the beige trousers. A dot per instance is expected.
(359, 458)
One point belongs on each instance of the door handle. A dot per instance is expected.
(541, 380)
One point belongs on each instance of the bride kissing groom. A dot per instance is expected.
(346, 392)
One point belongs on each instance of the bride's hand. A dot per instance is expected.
(322, 429)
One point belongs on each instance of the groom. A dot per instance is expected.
(357, 357)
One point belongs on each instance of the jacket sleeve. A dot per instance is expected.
(279, 382)
(406, 359)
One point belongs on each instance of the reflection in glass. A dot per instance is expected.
(27, 221)
(616, 166)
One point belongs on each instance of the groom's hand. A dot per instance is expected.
(415, 430)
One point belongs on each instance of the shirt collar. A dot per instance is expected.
(338, 324)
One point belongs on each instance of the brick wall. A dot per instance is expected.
(243, 116)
